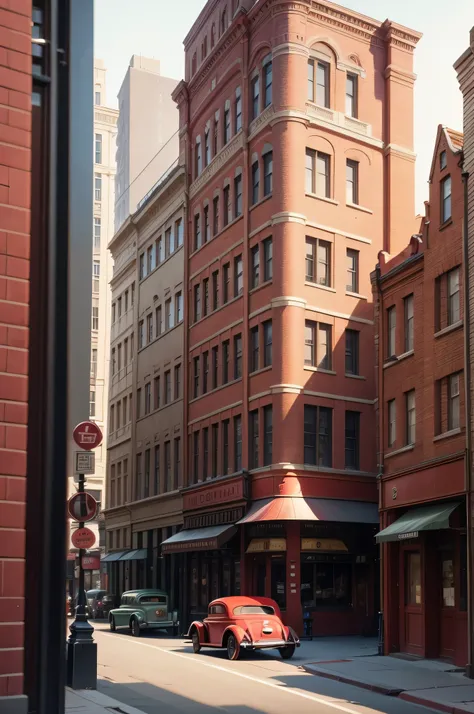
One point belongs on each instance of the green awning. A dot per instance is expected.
(134, 554)
(427, 518)
(112, 557)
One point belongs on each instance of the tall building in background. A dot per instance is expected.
(147, 141)
(105, 134)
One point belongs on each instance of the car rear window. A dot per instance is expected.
(254, 610)
(152, 599)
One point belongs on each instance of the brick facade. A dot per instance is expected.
(15, 150)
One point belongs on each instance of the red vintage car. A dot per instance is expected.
(244, 623)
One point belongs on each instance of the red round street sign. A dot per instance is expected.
(87, 435)
(82, 507)
(83, 538)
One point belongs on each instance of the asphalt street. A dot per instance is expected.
(160, 675)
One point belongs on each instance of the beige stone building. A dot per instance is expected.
(145, 440)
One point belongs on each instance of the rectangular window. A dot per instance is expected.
(149, 327)
(177, 381)
(317, 436)
(237, 443)
(215, 290)
(98, 148)
(215, 449)
(454, 401)
(216, 135)
(197, 303)
(391, 331)
(205, 306)
(205, 454)
(318, 173)
(157, 392)
(238, 196)
(255, 96)
(95, 275)
(147, 397)
(267, 343)
(207, 227)
(150, 257)
(225, 361)
(254, 349)
(238, 110)
(159, 320)
(139, 403)
(454, 309)
(177, 463)
(97, 231)
(141, 334)
(237, 356)
(352, 352)
(94, 364)
(267, 435)
(267, 259)
(159, 250)
(226, 126)
(225, 447)
(351, 95)
(156, 478)
(215, 217)
(409, 323)
(225, 282)
(318, 261)
(169, 314)
(168, 484)
(196, 377)
(205, 371)
(255, 266)
(352, 439)
(178, 300)
(267, 80)
(178, 229)
(410, 417)
(310, 343)
(352, 182)
(215, 367)
(322, 84)
(446, 199)
(352, 283)
(255, 182)
(391, 422)
(142, 268)
(253, 439)
(197, 159)
(238, 276)
(167, 394)
(138, 477)
(95, 318)
(227, 212)
(146, 484)
(195, 457)
(197, 231)
(268, 173)
(207, 148)
(111, 417)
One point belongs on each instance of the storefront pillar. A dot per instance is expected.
(430, 593)
(294, 616)
(243, 564)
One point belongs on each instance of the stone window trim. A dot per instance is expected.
(254, 159)
(238, 171)
(226, 182)
(266, 149)
(267, 59)
(227, 104)
(238, 93)
(205, 203)
(216, 193)
(255, 73)
(207, 128)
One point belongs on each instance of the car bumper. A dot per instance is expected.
(157, 625)
(268, 644)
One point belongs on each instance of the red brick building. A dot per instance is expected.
(418, 298)
(291, 127)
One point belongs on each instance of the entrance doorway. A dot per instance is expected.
(448, 605)
(411, 635)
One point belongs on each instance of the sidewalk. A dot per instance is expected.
(87, 701)
(431, 683)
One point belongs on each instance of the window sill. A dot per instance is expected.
(323, 198)
(321, 287)
(447, 223)
(448, 329)
(356, 295)
(397, 358)
(403, 450)
(309, 368)
(354, 376)
(357, 207)
(261, 370)
(447, 434)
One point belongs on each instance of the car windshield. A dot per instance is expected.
(152, 599)
(254, 610)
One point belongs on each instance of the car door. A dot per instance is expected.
(216, 623)
(122, 615)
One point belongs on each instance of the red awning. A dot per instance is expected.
(291, 508)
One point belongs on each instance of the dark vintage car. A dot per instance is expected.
(143, 610)
(244, 623)
(99, 603)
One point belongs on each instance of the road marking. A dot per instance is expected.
(272, 685)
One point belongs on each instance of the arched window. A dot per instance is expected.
(213, 35)
(224, 21)
(204, 48)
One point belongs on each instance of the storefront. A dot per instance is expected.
(318, 559)
(209, 546)
(425, 579)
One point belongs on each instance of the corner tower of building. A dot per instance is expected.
(296, 122)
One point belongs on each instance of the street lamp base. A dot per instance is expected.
(82, 664)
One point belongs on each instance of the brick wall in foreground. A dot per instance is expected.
(15, 158)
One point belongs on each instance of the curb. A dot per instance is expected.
(379, 689)
(437, 706)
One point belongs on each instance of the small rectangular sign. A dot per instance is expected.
(84, 462)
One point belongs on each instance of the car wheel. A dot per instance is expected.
(233, 647)
(112, 624)
(287, 652)
(135, 628)
(196, 643)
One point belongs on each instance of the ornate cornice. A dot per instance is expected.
(222, 158)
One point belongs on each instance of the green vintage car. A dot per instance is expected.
(143, 610)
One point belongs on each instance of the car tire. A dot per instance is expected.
(196, 643)
(112, 624)
(287, 652)
(233, 647)
(135, 627)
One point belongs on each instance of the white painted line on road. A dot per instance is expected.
(272, 685)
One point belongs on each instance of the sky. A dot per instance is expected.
(156, 28)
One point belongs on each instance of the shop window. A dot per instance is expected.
(447, 575)
(204, 585)
(326, 585)
(413, 578)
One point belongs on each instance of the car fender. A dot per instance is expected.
(236, 630)
(290, 635)
(138, 616)
(201, 629)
